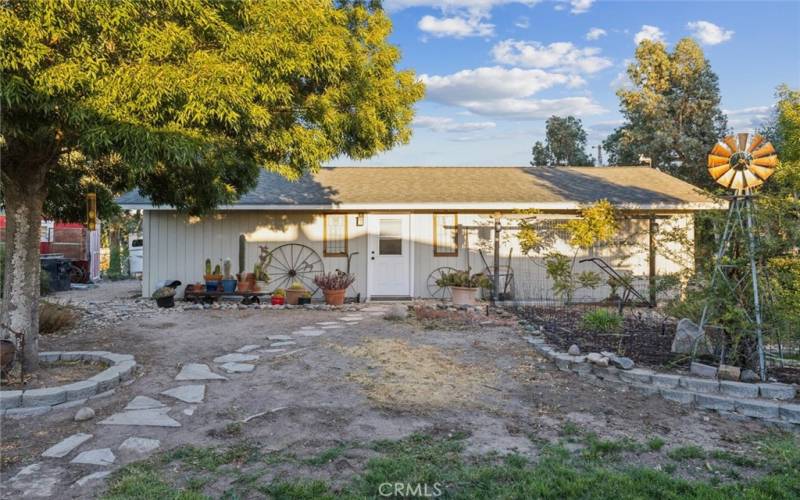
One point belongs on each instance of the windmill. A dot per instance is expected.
(742, 165)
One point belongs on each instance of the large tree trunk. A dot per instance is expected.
(24, 194)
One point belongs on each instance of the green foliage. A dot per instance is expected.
(672, 112)
(207, 268)
(596, 225)
(464, 279)
(690, 452)
(588, 279)
(602, 321)
(565, 144)
(655, 444)
(541, 155)
(559, 269)
(226, 269)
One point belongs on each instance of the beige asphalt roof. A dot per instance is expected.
(419, 186)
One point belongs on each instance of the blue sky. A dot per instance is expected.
(496, 69)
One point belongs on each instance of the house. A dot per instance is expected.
(394, 226)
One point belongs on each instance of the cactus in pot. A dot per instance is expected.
(228, 281)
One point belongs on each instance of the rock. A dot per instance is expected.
(187, 393)
(622, 362)
(279, 337)
(238, 367)
(332, 327)
(574, 350)
(281, 344)
(95, 476)
(728, 372)
(36, 481)
(236, 358)
(701, 370)
(156, 417)
(100, 456)
(597, 359)
(328, 323)
(308, 333)
(84, 413)
(248, 348)
(687, 333)
(197, 371)
(144, 403)
(139, 446)
(190, 410)
(10, 399)
(63, 448)
(47, 396)
(396, 312)
(749, 376)
(777, 391)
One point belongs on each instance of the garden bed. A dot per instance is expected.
(54, 374)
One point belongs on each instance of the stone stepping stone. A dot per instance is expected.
(95, 476)
(374, 309)
(248, 348)
(190, 410)
(333, 327)
(352, 320)
(36, 481)
(236, 358)
(187, 393)
(197, 371)
(279, 337)
(100, 456)
(308, 327)
(271, 351)
(328, 323)
(63, 448)
(156, 417)
(144, 403)
(309, 333)
(139, 446)
(280, 344)
(238, 367)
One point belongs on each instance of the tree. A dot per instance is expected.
(185, 101)
(541, 155)
(672, 112)
(566, 141)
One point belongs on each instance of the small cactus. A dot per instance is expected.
(227, 269)
(217, 271)
(208, 267)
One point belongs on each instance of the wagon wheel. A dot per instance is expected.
(77, 274)
(294, 262)
(434, 290)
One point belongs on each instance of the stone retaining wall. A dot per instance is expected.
(764, 401)
(37, 401)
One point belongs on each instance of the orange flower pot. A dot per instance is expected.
(334, 297)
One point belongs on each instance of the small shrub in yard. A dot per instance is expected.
(54, 317)
(602, 321)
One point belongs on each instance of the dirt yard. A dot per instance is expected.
(370, 380)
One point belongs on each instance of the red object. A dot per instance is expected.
(277, 301)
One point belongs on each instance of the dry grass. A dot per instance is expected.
(417, 376)
(54, 317)
(53, 374)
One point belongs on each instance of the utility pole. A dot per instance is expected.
(599, 156)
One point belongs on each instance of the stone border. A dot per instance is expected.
(733, 399)
(31, 402)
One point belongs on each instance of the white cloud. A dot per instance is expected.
(456, 27)
(747, 118)
(709, 33)
(506, 92)
(558, 56)
(580, 6)
(444, 5)
(595, 33)
(445, 124)
(622, 80)
(649, 33)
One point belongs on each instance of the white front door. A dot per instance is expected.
(389, 264)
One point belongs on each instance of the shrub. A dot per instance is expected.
(601, 321)
(337, 280)
(463, 279)
(54, 317)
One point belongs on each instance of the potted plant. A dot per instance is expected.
(294, 292)
(247, 282)
(260, 269)
(278, 297)
(334, 285)
(228, 281)
(305, 299)
(212, 277)
(464, 287)
(165, 296)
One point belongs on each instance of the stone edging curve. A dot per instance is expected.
(30, 402)
(763, 401)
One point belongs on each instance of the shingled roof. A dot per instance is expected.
(467, 187)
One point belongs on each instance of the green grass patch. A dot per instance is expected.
(596, 447)
(686, 453)
(734, 458)
(326, 456)
(655, 444)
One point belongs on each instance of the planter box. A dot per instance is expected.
(463, 296)
(293, 296)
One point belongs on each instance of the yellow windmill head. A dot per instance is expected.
(738, 165)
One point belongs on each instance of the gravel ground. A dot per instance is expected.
(344, 385)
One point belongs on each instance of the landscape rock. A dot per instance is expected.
(309, 333)
(90, 478)
(138, 446)
(687, 333)
(156, 417)
(597, 359)
(702, 370)
(279, 337)
(84, 413)
(36, 481)
(238, 367)
(282, 344)
(749, 376)
(187, 393)
(574, 350)
(144, 403)
(396, 312)
(728, 372)
(10, 399)
(100, 456)
(236, 357)
(248, 348)
(777, 391)
(64, 447)
(48, 396)
(622, 362)
(197, 371)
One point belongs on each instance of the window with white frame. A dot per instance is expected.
(445, 235)
(335, 237)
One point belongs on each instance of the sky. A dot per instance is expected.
(495, 70)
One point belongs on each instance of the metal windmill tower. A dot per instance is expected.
(741, 165)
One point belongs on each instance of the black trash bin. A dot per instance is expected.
(57, 269)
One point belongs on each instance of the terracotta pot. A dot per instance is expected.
(463, 296)
(244, 286)
(292, 295)
(277, 301)
(334, 297)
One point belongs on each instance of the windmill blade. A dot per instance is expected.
(716, 172)
(716, 161)
(738, 181)
(731, 142)
(757, 140)
(764, 150)
(727, 178)
(751, 179)
(767, 161)
(742, 140)
(721, 150)
(762, 172)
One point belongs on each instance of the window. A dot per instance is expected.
(445, 235)
(390, 237)
(335, 235)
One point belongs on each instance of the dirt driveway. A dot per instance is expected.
(368, 379)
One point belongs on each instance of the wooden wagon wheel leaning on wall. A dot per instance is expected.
(294, 262)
